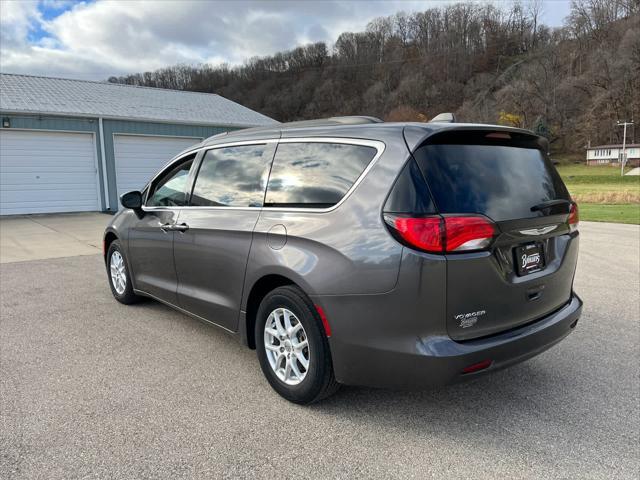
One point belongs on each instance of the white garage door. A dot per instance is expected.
(139, 158)
(46, 172)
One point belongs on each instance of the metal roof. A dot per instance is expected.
(61, 96)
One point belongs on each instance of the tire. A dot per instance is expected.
(319, 381)
(123, 295)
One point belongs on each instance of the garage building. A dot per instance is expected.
(72, 145)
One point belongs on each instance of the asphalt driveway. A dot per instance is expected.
(90, 388)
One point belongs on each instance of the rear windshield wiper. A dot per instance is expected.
(549, 204)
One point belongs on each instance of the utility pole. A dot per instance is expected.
(623, 159)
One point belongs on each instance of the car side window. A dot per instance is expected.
(233, 176)
(170, 189)
(315, 175)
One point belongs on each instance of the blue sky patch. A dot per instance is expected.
(50, 9)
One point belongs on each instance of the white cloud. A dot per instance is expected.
(16, 19)
(109, 37)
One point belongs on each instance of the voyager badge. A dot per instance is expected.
(469, 319)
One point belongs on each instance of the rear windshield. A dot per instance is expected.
(499, 181)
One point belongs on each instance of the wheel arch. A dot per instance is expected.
(258, 291)
(108, 239)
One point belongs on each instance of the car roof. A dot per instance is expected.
(362, 127)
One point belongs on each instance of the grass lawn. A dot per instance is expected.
(595, 212)
(602, 193)
(600, 184)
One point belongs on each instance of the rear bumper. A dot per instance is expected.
(412, 361)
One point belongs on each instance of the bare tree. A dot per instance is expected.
(488, 64)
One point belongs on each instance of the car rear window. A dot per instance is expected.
(500, 181)
(308, 175)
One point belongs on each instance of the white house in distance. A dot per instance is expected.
(610, 155)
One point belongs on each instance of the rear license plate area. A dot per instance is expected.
(529, 258)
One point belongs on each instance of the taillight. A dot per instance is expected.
(424, 233)
(448, 234)
(574, 218)
(468, 233)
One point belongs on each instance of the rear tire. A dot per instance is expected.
(119, 276)
(287, 373)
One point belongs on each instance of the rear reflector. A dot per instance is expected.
(476, 367)
(574, 218)
(438, 234)
(325, 322)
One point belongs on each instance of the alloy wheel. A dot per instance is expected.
(286, 346)
(118, 272)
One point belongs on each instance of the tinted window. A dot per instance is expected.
(169, 190)
(410, 193)
(232, 177)
(501, 182)
(315, 174)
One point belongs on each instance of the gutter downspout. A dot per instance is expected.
(107, 202)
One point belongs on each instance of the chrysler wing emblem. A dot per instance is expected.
(539, 231)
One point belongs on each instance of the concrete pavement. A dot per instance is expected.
(33, 237)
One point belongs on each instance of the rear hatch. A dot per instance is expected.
(525, 269)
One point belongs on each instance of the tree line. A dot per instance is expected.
(486, 64)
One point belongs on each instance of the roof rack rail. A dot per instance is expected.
(355, 120)
(444, 118)
(351, 120)
(221, 134)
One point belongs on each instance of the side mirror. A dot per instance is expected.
(132, 200)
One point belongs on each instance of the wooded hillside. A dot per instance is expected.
(487, 64)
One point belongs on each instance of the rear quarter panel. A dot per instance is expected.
(347, 250)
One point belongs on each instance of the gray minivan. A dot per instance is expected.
(353, 251)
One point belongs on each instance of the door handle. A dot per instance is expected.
(174, 227)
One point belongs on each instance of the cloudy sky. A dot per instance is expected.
(96, 39)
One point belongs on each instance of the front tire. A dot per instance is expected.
(292, 347)
(118, 275)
